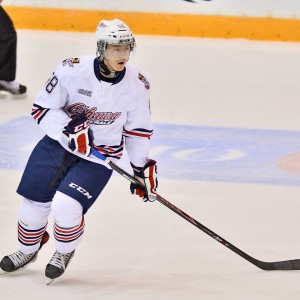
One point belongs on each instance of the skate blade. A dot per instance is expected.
(2, 272)
(49, 280)
(3, 95)
(19, 96)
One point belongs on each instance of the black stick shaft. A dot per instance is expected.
(267, 266)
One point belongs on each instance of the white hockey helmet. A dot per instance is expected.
(113, 32)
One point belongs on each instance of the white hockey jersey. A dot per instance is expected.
(119, 113)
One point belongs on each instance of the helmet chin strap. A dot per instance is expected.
(107, 71)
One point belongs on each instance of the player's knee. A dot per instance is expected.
(66, 211)
(34, 213)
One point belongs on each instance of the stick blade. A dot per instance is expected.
(286, 265)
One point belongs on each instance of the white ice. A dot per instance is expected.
(134, 250)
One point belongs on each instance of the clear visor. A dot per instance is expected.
(117, 52)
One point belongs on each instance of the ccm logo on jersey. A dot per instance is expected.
(80, 189)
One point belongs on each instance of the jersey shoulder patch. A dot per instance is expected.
(144, 80)
(71, 61)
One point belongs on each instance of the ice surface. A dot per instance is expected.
(224, 90)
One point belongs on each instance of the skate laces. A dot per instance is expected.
(19, 258)
(60, 260)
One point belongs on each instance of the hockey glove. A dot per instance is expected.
(147, 177)
(80, 135)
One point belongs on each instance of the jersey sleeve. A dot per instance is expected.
(138, 129)
(48, 107)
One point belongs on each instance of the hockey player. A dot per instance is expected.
(8, 56)
(91, 101)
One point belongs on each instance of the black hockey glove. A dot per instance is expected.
(147, 176)
(80, 135)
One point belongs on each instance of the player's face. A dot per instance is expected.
(116, 56)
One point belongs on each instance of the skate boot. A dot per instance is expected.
(57, 265)
(12, 87)
(20, 260)
(17, 260)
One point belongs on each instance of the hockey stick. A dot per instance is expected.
(267, 266)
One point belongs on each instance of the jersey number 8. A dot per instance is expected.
(51, 84)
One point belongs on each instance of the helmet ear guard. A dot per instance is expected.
(113, 32)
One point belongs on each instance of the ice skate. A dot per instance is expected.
(57, 265)
(16, 261)
(12, 87)
(19, 260)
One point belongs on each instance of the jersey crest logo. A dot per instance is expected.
(71, 61)
(96, 118)
(145, 81)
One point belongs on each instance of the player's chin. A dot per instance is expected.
(120, 65)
